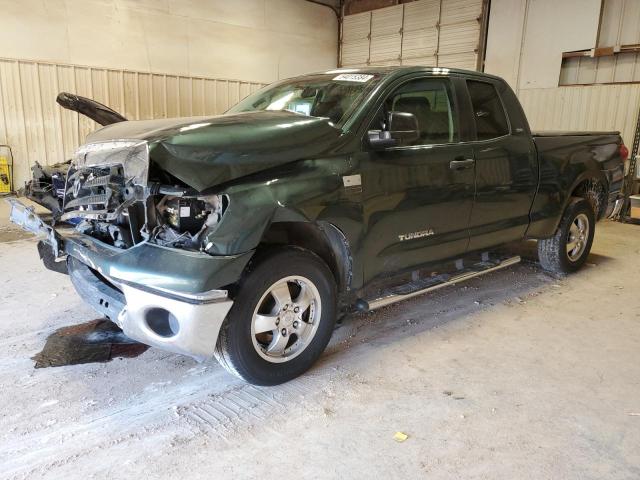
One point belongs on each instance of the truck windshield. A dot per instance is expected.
(332, 95)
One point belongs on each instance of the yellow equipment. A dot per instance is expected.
(6, 167)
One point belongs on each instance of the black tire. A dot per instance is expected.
(235, 348)
(552, 252)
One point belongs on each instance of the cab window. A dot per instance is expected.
(488, 112)
(430, 101)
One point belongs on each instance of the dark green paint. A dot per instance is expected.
(157, 267)
(283, 167)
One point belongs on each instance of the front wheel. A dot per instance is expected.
(281, 320)
(569, 248)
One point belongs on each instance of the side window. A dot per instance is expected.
(491, 121)
(431, 102)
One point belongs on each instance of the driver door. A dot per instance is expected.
(418, 194)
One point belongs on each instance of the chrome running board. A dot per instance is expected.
(439, 282)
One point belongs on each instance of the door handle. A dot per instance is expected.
(461, 164)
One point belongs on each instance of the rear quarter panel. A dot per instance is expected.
(566, 160)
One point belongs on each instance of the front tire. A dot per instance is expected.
(568, 249)
(281, 320)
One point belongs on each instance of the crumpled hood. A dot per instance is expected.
(205, 152)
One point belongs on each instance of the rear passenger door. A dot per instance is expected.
(506, 170)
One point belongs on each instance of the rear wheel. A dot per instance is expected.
(281, 320)
(569, 248)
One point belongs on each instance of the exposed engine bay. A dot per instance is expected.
(167, 220)
(114, 196)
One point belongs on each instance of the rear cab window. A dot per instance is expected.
(488, 111)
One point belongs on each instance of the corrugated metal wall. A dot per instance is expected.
(594, 107)
(424, 32)
(36, 128)
(619, 25)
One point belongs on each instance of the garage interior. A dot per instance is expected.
(516, 374)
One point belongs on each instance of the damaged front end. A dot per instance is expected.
(110, 191)
(139, 251)
(47, 184)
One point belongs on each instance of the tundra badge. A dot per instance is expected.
(420, 234)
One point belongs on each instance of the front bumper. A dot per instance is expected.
(164, 297)
(173, 325)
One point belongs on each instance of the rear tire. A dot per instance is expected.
(568, 249)
(281, 320)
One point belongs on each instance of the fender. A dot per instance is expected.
(306, 191)
(592, 175)
(548, 214)
(341, 249)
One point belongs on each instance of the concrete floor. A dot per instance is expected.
(515, 375)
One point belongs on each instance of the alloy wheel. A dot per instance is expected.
(577, 237)
(286, 319)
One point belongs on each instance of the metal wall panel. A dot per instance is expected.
(627, 67)
(420, 31)
(386, 34)
(385, 48)
(587, 70)
(458, 11)
(391, 63)
(591, 107)
(356, 27)
(459, 33)
(620, 68)
(37, 129)
(605, 70)
(459, 38)
(419, 43)
(630, 28)
(355, 52)
(421, 61)
(465, 60)
(620, 23)
(387, 21)
(569, 71)
(412, 32)
(421, 15)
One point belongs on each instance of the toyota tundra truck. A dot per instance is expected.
(246, 236)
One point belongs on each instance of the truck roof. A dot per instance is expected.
(402, 70)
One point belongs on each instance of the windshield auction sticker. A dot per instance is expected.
(353, 77)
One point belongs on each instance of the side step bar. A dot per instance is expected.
(474, 271)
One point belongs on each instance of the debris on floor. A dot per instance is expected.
(99, 340)
(400, 437)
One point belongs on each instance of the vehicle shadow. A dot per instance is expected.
(528, 251)
(456, 303)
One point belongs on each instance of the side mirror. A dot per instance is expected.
(380, 139)
(403, 129)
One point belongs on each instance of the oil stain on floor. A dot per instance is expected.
(99, 340)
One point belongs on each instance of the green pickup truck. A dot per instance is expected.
(245, 236)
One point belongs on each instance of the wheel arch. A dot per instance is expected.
(592, 186)
(320, 237)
